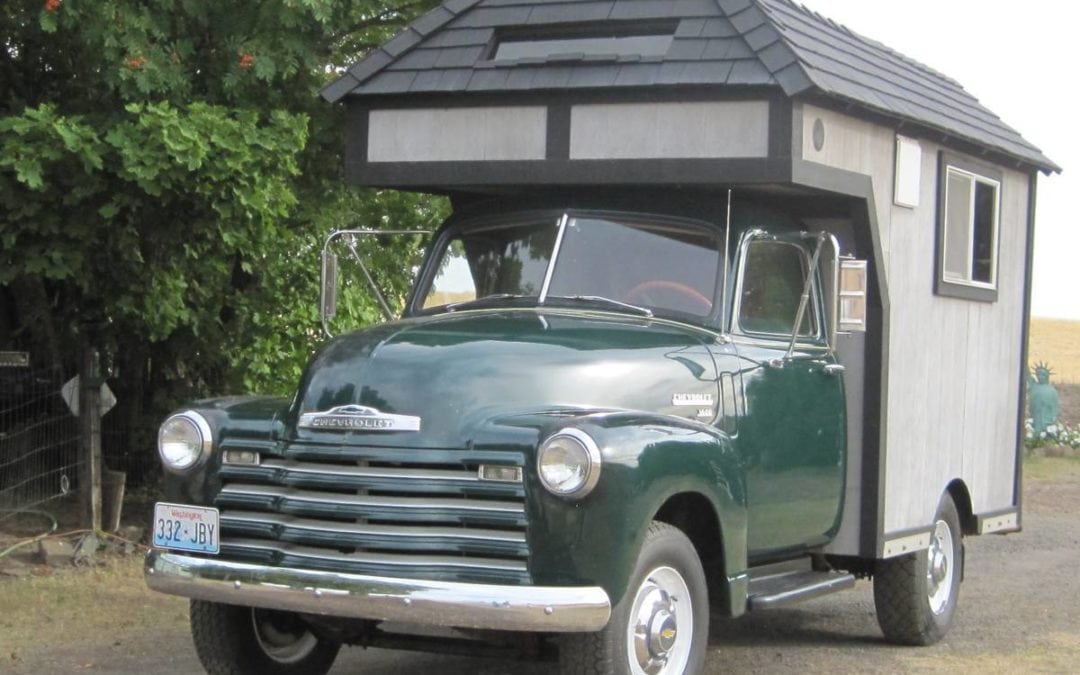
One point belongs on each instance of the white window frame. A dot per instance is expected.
(951, 284)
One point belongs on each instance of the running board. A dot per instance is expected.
(775, 586)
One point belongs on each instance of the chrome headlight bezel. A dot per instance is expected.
(589, 460)
(201, 442)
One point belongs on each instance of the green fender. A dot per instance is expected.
(646, 460)
(247, 421)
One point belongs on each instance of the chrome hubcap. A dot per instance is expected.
(661, 608)
(940, 567)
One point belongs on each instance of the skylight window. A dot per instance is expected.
(604, 41)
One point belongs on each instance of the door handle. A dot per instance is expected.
(833, 369)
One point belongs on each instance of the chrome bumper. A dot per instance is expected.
(460, 605)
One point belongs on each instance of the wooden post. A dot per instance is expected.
(90, 438)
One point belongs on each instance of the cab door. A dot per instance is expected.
(792, 438)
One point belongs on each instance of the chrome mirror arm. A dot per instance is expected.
(351, 244)
(805, 299)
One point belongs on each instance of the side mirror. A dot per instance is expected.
(851, 295)
(329, 290)
(328, 302)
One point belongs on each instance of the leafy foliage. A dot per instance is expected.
(167, 175)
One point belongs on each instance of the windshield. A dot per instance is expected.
(663, 268)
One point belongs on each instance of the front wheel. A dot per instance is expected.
(915, 595)
(661, 624)
(233, 640)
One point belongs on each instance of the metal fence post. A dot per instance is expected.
(90, 438)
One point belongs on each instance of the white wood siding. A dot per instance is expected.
(953, 365)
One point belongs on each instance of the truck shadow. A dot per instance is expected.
(795, 628)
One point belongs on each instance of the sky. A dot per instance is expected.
(1019, 59)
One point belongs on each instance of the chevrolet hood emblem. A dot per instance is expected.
(358, 418)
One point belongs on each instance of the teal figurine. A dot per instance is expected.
(1042, 400)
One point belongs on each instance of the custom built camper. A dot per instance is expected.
(731, 312)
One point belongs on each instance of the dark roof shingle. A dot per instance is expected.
(772, 43)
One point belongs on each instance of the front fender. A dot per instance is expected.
(646, 460)
(250, 420)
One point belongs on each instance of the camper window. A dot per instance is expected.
(968, 230)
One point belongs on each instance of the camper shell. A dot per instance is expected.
(793, 460)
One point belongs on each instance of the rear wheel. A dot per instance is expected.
(915, 595)
(233, 640)
(661, 625)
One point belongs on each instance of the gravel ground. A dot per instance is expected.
(1018, 613)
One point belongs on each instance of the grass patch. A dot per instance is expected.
(1052, 468)
(77, 606)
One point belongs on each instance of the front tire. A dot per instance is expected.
(661, 624)
(915, 595)
(233, 640)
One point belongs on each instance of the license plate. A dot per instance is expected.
(186, 528)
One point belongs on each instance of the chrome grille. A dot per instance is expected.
(417, 513)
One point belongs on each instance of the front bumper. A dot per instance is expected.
(460, 605)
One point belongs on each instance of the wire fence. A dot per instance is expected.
(39, 441)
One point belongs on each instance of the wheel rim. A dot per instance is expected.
(661, 624)
(940, 567)
(283, 637)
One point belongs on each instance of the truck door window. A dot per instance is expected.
(773, 277)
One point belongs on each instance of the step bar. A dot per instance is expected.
(781, 584)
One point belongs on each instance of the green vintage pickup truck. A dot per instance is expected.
(590, 425)
(731, 312)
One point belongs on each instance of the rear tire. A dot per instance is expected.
(233, 640)
(915, 595)
(661, 624)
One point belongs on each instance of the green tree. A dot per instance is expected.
(167, 172)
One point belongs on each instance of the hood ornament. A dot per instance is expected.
(358, 418)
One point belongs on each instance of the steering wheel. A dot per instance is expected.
(647, 292)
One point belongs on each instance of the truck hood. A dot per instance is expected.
(462, 372)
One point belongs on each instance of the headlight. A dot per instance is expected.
(183, 440)
(569, 463)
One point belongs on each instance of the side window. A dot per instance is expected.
(968, 218)
(774, 274)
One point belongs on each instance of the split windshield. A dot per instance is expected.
(667, 269)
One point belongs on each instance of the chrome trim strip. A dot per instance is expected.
(1008, 521)
(435, 603)
(554, 259)
(905, 544)
(322, 556)
(395, 531)
(404, 503)
(332, 470)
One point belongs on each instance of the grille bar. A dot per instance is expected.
(364, 562)
(363, 453)
(393, 479)
(408, 509)
(396, 537)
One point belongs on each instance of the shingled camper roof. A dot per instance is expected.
(492, 46)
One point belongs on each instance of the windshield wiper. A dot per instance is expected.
(480, 302)
(601, 300)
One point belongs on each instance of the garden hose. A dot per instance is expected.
(17, 545)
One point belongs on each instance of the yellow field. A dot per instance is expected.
(1057, 342)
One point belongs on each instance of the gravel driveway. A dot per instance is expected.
(1019, 611)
